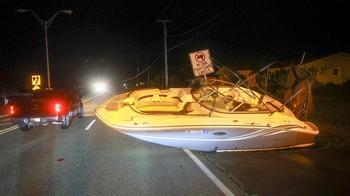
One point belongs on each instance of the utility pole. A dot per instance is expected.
(165, 51)
(137, 64)
(137, 70)
(148, 77)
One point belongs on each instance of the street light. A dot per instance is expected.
(46, 24)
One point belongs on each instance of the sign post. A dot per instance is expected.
(201, 63)
(36, 82)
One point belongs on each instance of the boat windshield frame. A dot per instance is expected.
(240, 106)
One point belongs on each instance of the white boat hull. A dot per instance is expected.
(226, 139)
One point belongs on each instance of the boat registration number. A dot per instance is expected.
(197, 131)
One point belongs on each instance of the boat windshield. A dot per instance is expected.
(228, 99)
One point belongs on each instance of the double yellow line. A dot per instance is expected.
(3, 131)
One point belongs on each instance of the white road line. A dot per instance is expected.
(211, 176)
(8, 129)
(4, 115)
(89, 126)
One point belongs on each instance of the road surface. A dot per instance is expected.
(90, 158)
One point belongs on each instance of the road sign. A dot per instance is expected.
(201, 63)
(36, 82)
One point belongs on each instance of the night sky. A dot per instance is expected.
(107, 39)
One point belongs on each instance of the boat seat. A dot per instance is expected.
(137, 95)
(185, 97)
(174, 101)
(179, 94)
(164, 106)
(155, 98)
(156, 104)
(254, 109)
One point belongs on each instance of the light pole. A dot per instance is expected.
(46, 24)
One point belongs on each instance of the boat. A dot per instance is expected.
(217, 116)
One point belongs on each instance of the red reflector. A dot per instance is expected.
(12, 109)
(57, 107)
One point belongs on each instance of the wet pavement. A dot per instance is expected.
(102, 161)
(292, 172)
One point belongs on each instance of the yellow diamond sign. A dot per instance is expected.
(36, 82)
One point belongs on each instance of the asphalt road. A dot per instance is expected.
(90, 158)
(99, 161)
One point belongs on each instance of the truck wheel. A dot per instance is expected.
(81, 112)
(65, 122)
(25, 127)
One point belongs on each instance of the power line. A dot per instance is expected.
(147, 68)
(166, 7)
(185, 5)
(201, 25)
(189, 18)
(172, 12)
(189, 39)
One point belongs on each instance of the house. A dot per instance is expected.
(334, 68)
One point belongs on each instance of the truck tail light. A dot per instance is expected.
(12, 109)
(57, 107)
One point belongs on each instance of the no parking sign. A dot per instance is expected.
(201, 63)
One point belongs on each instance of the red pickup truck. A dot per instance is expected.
(43, 107)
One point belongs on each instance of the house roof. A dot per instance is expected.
(325, 56)
(288, 63)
